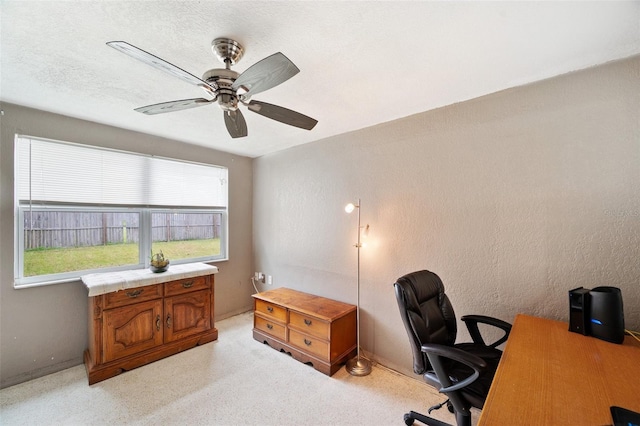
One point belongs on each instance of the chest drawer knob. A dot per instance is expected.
(307, 321)
(270, 327)
(307, 342)
(187, 284)
(269, 308)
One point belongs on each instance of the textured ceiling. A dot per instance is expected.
(361, 62)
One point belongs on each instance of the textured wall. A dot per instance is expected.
(513, 199)
(44, 329)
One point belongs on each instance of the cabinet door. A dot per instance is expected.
(187, 314)
(131, 329)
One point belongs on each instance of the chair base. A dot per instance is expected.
(430, 421)
(411, 416)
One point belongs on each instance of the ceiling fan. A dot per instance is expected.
(227, 87)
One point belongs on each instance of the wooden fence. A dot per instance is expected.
(59, 229)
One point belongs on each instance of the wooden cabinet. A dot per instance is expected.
(140, 325)
(312, 329)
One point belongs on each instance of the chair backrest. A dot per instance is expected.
(426, 312)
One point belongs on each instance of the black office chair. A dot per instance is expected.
(464, 371)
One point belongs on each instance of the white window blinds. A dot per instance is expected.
(60, 172)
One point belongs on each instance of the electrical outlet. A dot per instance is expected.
(260, 277)
(269, 280)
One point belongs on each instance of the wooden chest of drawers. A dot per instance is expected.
(312, 329)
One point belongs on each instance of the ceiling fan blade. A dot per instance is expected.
(236, 125)
(172, 106)
(265, 74)
(160, 64)
(283, 115)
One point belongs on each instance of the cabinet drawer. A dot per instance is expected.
(309, 325)
(185, 285)
(132, 295)
(270, 327)
(276, 312)
(309, 344)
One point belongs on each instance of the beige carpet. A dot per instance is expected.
(233, 381)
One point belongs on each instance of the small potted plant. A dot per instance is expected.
(159, 263)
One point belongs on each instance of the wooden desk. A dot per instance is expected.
(550, 376)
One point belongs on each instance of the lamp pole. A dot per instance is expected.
(358, 366)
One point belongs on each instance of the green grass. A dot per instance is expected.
(53, 261)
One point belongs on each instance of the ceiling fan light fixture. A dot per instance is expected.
(228, 102)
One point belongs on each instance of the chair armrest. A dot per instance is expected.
(436, 352)
(472, 321)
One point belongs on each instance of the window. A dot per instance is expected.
(83, 209)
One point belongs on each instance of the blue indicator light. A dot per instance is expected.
(595, 321)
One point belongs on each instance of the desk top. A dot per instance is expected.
(551, 376)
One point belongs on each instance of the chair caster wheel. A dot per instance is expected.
(408, 420)
(450, 408)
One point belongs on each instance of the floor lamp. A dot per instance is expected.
(358, 366)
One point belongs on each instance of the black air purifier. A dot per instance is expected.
(606, 318)
(579, 310)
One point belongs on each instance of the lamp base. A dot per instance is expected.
(358, 366)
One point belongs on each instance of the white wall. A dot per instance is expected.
(513, 199)
(44, 329)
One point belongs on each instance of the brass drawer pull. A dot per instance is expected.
(158, 323)
(269, 326)
(270, 309)
(134, 293)
(187, 284)
(307, 342)
(168, 320)
(307, 321)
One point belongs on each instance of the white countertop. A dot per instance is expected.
(107, 282)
